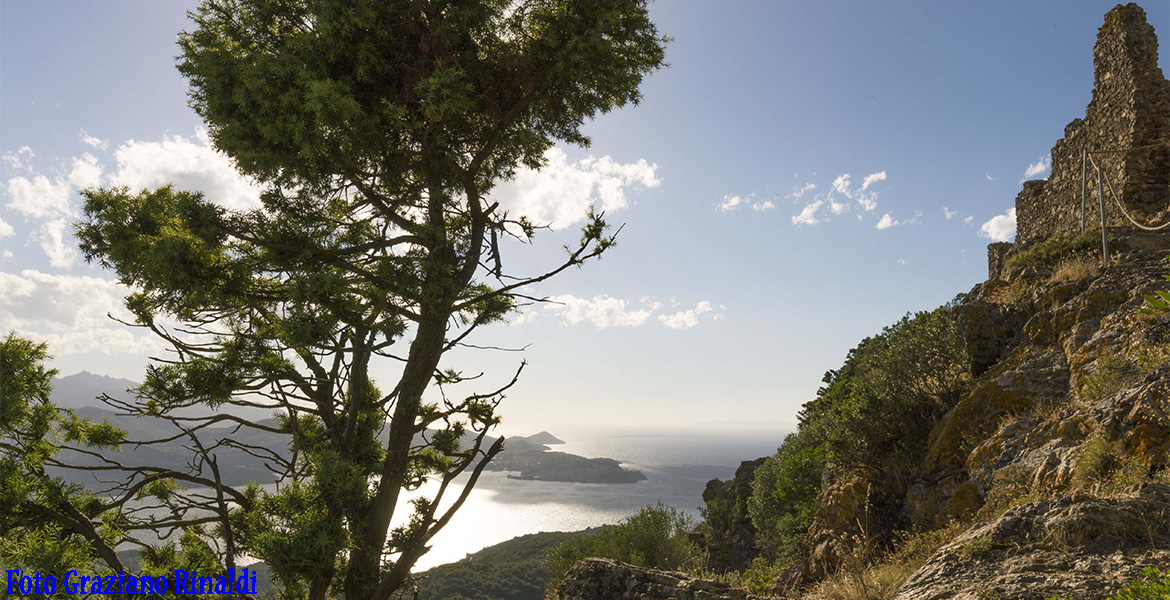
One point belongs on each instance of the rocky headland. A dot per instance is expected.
(1046, 473)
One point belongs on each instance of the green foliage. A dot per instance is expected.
(1152, 585)
(513, 570)
(377, 130)
(1116, 372)
(874, 413)
(1049, 252)
(1159, 301)
(784, 497)
(872, 416)
(1105, 463)
(654, 537)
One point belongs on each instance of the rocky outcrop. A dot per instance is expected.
(1076, 546)
(605, 579)
(728, 535)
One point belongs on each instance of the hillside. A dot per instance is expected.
(1014, 443)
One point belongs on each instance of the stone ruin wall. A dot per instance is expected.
(1130, 111)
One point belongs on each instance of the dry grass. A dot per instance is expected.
(1075, 268)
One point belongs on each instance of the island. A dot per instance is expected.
(530, 457)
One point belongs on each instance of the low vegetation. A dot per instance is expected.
(871, 418)
(1116, 372)
(654, 537)
(1049, 252)
(515, 570)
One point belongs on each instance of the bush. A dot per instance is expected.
(1049, 252)
(654, 537)
(874, 414)
(1152, 585)
(784, 497)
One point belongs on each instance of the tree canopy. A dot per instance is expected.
(377, 130)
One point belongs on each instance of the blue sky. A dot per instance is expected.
(729, 294)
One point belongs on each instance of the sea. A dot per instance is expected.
(677, 464)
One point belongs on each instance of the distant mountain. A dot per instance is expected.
(543, 438)
(83, 389)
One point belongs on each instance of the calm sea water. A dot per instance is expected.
(677, 465)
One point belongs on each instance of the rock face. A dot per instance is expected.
(1127, 121)
(605, 579)
(730, 538)
(1073, 546)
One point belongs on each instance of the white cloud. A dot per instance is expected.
(685, 319)
(7, 255)
(86, 171)
(841, 185)
(560, 193)
(58, 245)
(188, 164)
(18, 159)
(886, 222)
(100, 144)
(731, 202)
(837, 207)
(950, 214)
(69, 312)
(968, 220)
(1038, 167)
(1000, 228)
(602, 312)
(798, 191)
(40, 198)
(989, 177)
(872, 179)
(6, 229)
(808, 216)
(902, 261)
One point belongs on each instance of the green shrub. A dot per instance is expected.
(654, 537)
(876, 412)
(784, 497)
(1151, 585)
(1049, 252)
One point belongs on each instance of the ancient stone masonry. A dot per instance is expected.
(1127, 131)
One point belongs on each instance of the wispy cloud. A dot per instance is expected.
(1041, 166)
(886, 222)
(948, 213)
(871, 179)
(732, 202)
(560, 193)
(800, 190)
(604, 312)
(839, 198)
(90, 140)
(1000, 228)
(685, 319)
(808, 216)
(989, 177)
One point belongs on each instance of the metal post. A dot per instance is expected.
(1104, 243)
(1084, 161)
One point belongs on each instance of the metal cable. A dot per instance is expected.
(1117, 201)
